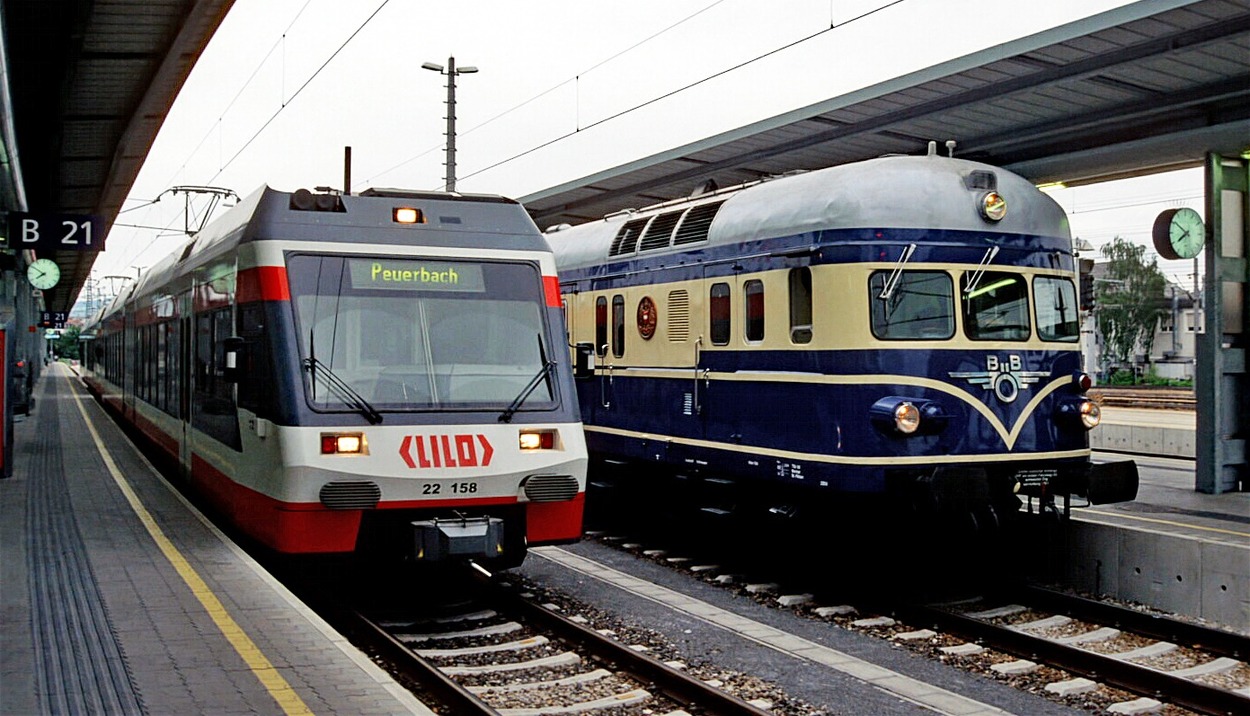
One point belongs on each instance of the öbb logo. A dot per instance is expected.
(446, 451)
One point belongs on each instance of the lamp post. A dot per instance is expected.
(451, 71)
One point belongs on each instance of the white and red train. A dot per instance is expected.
(382, 374)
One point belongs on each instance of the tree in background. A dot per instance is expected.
(67, 345)
(1130, 300)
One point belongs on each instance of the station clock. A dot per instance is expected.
(43, 273)
(1179, 233)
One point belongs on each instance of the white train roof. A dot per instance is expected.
(896, 192)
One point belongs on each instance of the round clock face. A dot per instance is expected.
(1179, 234)
(43, 273)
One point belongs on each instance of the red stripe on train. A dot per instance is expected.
(263, 283)
(551, 287)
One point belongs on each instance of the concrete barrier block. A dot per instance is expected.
(1162, 572)
(1178, 443)
(1226, 585)
(1116, 437)
(1094, 562)
(1148, 440)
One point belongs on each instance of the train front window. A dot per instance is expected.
(1056, 309)
(416, 334)
(996, 306)
(912, 305)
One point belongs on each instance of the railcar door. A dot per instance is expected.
(185, 377)
(601, 401)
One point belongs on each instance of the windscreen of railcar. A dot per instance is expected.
(415, 334)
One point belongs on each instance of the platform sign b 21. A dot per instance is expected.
(55, 232)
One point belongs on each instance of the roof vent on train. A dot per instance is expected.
(304, 200)
(674, 228)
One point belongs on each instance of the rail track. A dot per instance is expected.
(1156, 657)
(501, 653)
(1143, 397)
(1075, 649)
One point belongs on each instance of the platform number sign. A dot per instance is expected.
(53, 319)
(55, 232)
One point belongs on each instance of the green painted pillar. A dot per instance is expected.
(1221, 383)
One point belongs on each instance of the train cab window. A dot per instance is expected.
(753, 294)
(394, 334)
(996, 308)
(1056, 309)
(601, 326)
(912, 305)
(618, 326)
(718, 307)
(801, 305)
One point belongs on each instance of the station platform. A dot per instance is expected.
(1173, 548)
(118, 597)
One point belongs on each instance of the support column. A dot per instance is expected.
(1221, 383)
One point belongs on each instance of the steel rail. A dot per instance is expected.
(1215, 641)
(694, 695)
(1098, 667)
(460, 700)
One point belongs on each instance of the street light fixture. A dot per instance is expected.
(451, 71)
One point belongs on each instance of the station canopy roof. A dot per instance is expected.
(90, 83)
(1148, 87)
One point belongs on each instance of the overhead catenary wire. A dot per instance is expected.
(688, 86)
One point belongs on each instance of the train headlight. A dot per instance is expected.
(906, 418)
(1090, 413)
(342, 444)
(993, 206)
(900, 415)
(407, 215)
(1082, 411)
(538, 439)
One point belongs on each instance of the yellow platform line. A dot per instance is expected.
(1170, 523)
(274, 683)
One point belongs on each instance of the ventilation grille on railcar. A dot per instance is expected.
(550, 488)
(627, 238)
(678, 322)
(695, 226)
(351, 495)
(659, 232)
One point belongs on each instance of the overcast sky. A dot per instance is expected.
(565, 88)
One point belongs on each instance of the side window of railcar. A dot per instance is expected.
(213, 410)
(718, 308)
(753, 295)
(1056, 309)
(801, 305)
(601, 326)
(255, 379)
(912, 305)
(618, 326)
(996, 307)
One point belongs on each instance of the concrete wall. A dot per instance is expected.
(1195, 577)
(1143, 440)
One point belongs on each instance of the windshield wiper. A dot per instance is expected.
(540, 376)
(345, 392)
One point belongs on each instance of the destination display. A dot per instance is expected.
(401, 274)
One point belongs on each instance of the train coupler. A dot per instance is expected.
(1108, 482)
(437, 540)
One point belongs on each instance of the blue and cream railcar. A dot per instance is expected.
(378, 373)
(905, 326)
